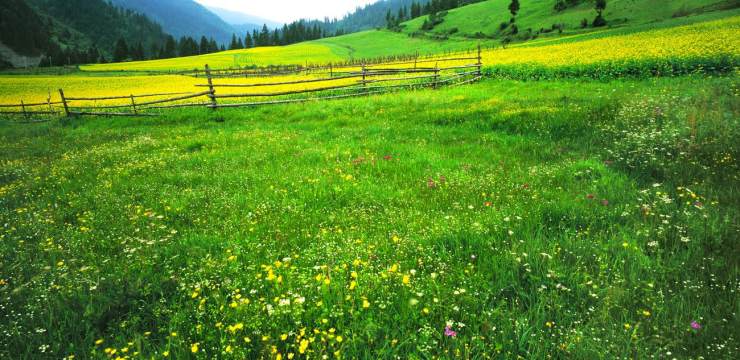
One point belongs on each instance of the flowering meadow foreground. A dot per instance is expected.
(550, 219)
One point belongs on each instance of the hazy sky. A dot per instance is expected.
(289, 10)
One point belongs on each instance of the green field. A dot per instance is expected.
(582, 201)
(485, 17)
(569, 219)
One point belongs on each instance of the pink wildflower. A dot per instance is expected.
(695, 325)
(449, 332)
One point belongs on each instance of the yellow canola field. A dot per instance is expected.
(36, 88)
(297, 54)
(701, 40)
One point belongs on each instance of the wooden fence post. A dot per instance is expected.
(480, 61)
(436, 75)
(64, 102)
(331, 70)
(23, 108)
(133, 104)
(210, 88)
(364, 74)
(48, 102)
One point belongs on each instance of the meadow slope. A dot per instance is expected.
(566, 219)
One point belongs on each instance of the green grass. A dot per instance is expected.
(486, 16)
(565, 219)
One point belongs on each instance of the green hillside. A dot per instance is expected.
(486, 17)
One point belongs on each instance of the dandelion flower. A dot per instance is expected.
(303, 346)
(194, 348)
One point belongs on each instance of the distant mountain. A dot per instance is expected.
(373, 15)
(241, 20)
(182, 18)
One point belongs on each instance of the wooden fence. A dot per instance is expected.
(353, 81)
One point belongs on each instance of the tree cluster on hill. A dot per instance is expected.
(562, 5)
(22, 29)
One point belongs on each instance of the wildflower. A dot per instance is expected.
(695, 325)
(406, 279)
(387, 157)
(194, 348)
(339, 338)
(431, 184)
(449, 332)
(166, 353)
(229, 349)
(425, 311)
(98, 342)
(365, 304)
(605, 202)
(231, 258)
(645, 313)
(303, 346)
(352, 285)
(627, 326)
(549, 324)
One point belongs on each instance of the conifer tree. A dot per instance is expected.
(120, 52)
(514, 7)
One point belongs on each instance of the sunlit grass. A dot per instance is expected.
(569, 219)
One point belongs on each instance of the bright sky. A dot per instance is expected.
(289, 10)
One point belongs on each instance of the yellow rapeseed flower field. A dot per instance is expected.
(271, 55)
(700, 40)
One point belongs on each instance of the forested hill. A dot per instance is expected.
(183, 18)
(22, 29)
(372, 15)
(74, 31)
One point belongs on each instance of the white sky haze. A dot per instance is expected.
(289, 10)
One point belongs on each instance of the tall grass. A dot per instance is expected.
(567, 219)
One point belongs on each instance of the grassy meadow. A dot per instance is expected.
(580, 202)
(565, 219)
(467, 22)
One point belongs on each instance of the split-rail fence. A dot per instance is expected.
(357, 80)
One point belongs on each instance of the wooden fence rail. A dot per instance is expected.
(371, 79)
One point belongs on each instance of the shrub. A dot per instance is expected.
(560, 5)
(599, 21)
(584, 23)
(514, 29)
